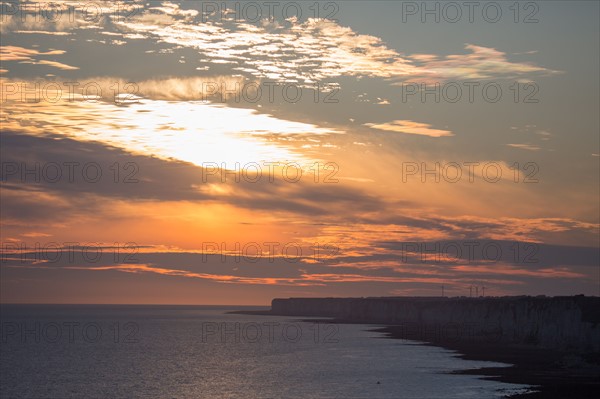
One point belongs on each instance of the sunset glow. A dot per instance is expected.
(314, 156)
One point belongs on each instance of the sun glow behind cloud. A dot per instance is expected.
(190, 131)
(169, 130)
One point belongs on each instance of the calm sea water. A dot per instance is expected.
(203, 352)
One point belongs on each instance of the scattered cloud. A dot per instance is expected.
(316, 50)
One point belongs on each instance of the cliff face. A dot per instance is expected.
(562, 323)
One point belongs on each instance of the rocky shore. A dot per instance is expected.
(552, 343)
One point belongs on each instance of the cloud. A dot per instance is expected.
(366, 270)
(527, 52)
(142, 268)
(216, 88)
(57, 65)
(558, 273)
(170, 133)
(410, 127)
(199, 132)
(374, 234)
(480, 63)
(536, 138)
(27, 18)
(173, 9)
(42, 32)
(303, 52)
(317, 49)
(16, 53)
(528, 147)
(36, 235)
(545, 136)
(159, 180)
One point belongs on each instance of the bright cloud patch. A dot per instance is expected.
(25, 55)
(528, 147)
(190, 131)
(411, 127)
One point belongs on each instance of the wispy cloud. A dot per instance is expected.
(43, 32)
(528, 147)
(479, 63)
(26, 55)
(58, 65)
(16, 53)
(410, 127)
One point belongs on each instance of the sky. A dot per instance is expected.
(197, 152)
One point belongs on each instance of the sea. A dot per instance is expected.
(130, 351)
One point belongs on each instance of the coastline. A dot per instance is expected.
(551, 374)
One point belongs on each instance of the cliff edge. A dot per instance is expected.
(560, 323)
